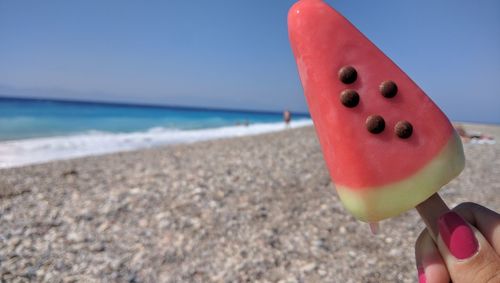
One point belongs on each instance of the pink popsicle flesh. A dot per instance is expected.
(377, 173)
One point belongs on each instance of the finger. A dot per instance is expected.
(467, 254)
(487, 221)
(430, 266)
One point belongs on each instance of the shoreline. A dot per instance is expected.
(253, 208)
(18, 153)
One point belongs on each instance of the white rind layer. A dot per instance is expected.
(377, 203)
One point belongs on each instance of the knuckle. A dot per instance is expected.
(489, 272)
(495, 278)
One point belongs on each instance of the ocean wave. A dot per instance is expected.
(39, 150)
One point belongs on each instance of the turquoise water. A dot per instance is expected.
(30, 118)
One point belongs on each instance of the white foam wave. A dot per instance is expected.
(30, 151)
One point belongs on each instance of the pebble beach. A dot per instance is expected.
(249, 209)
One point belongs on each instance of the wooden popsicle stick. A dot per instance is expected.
(430, 210)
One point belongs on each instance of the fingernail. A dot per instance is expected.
(421, 275)
(457, 235)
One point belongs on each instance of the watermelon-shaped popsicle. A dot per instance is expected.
(388, 147)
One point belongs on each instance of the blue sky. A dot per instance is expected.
(235, 54)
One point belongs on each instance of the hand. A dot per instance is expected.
(467, 249)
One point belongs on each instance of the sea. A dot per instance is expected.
(37, 131)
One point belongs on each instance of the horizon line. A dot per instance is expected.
(133, 104)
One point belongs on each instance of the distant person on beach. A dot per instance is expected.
(287, 117)
(475, 137)
(468, 248)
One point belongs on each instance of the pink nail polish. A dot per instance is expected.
(457, 235)
(421, 275)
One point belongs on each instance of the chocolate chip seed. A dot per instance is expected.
(388, 89)
(349, 98)
(375, 124)
(347, 74)
(403, 129)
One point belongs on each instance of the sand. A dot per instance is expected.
(251, 209)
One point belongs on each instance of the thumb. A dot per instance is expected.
(467, 254)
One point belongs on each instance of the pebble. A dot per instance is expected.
(342, 230)
(308, 267)
(75, 237)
